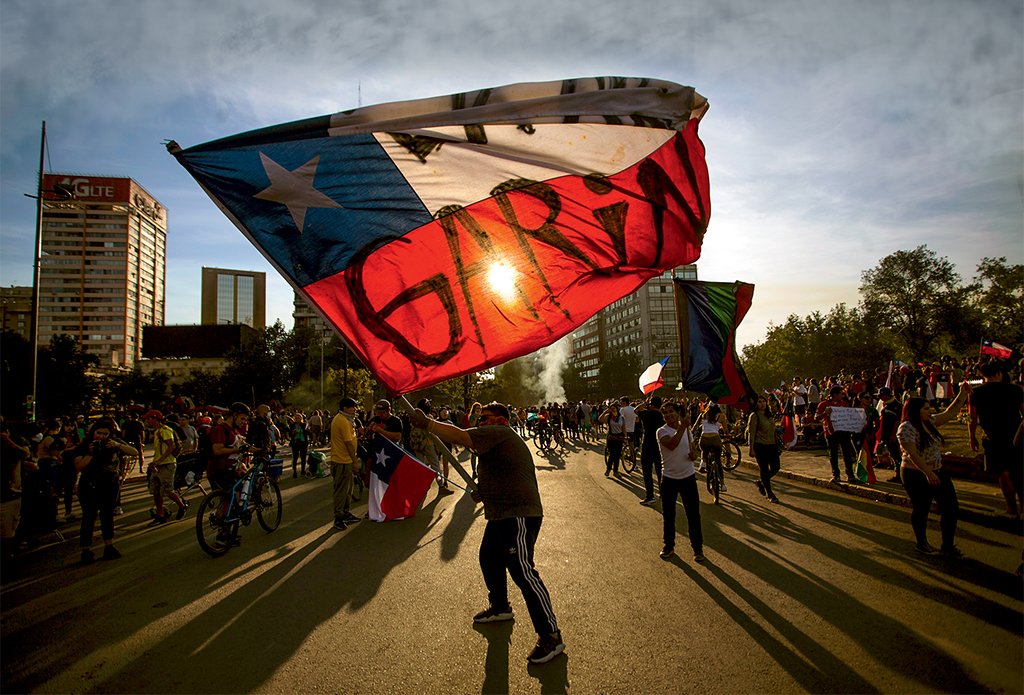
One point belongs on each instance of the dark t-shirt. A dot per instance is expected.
(998, 406)
(507, 480)
(104, 461)
(391, 423)
(133, 431)
(651, 420)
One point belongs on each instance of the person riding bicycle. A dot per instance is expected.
(713, 425)
(228, 444)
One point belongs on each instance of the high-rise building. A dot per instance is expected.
(305, 315)
(642, 323)
(102, 270)
(234, 296)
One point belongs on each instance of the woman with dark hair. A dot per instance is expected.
(923, 476)
(616, 437)
(97, 460)
(761, 436)
(712, 425)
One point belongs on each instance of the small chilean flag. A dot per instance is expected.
(650, 380)
(398, 482)
(989, 347)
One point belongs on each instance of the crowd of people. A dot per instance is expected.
(900, 411)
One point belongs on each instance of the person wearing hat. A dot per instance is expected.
(422, 445)
(889, 412)
(166, 446)
(837, 439)
(344, 461)
(384, 422)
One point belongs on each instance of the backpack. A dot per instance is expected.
(204, 448)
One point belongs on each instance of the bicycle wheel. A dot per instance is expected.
(731, 454)
(628, 458)
(212, 534)
(538, 441)
(715, 480)
(268, 503)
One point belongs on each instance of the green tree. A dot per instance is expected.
(64, 384)
(203, 387)
(911, 293)
(136, 387)
(15, 358)
(618, 375)
(816, 345)
(999, 296)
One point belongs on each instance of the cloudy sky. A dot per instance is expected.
(838, 132)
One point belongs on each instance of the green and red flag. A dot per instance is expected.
(708, 314)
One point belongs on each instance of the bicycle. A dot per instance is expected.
(542, 438)
(627, 458)
(630, 457)
(221, 511)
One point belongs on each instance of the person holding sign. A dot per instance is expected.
(924, 479)
(838, 430)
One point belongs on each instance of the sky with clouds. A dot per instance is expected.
(838, 131)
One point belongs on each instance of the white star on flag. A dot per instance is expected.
(382, 458)
(294, 189)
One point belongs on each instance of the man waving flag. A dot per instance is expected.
(446, 235)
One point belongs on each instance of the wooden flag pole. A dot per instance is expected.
(443, 450)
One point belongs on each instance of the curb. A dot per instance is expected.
(975, 516)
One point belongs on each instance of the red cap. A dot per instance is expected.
(154, 414)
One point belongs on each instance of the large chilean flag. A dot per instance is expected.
(446, 235)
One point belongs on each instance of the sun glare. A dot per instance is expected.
(502, 279)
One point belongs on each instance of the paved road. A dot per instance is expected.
(818, 594)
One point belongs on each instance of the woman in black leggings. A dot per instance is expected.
(761, 436)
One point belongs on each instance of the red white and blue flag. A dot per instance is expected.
(398, 481)
(447, 235)
(650, 380)
(994, 349)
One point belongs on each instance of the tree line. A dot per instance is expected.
(914, 307)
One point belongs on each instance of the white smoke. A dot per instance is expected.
(552, 360)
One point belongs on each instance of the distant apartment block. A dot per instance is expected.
(642, 323)
(16, 310)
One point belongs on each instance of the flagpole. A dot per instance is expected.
(34, 331)
(444, 451)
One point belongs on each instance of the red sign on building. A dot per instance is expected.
(89, 188)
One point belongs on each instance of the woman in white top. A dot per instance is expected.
(616, 437)
(713, 424)
(924, 478)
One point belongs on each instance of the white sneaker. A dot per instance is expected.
(118, 511)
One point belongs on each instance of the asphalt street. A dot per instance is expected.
(821, 593)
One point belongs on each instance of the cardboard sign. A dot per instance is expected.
(848, 419)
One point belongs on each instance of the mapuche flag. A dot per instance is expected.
(708, 314)
(398, 481)
(447, 235)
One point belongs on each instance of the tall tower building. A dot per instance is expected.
(234, 297)
(102, 271)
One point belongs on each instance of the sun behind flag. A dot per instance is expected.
(447, 235)
(708, 314)
(398, 481)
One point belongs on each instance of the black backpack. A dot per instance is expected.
(204, 449)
